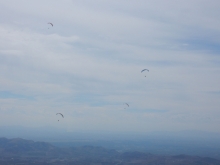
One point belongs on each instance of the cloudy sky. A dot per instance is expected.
(88, 65)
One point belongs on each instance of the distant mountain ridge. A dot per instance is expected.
(21, 145)
(17, 150)
(23, 148)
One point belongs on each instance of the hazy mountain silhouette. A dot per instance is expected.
(20, 151)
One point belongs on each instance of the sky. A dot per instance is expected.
(88, 65)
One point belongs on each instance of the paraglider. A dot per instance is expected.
(127, 105)
(60, 114)
(50, 24)
(144, 70)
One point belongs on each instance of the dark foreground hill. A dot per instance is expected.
(27, 152)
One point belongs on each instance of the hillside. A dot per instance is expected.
(21, 151)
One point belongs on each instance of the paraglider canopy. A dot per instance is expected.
(144, 70)
(60, 114)
(50, 23)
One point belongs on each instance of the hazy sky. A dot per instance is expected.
(89, 64)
